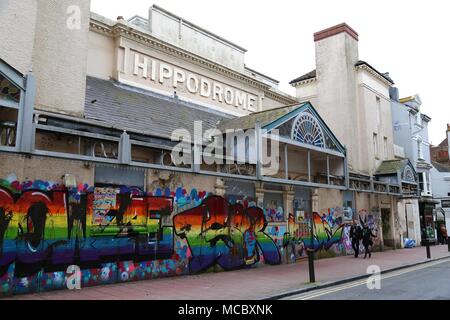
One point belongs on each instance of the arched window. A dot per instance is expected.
(408, 174)
(306, 129)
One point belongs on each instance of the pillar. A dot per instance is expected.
(315, 200)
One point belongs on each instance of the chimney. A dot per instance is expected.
(394, 94)
(340, 28)
(336, 57)
(336, 51)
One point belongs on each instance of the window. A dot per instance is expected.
(9, 112)
(419, 119)
(425, 183)
(421, 181)
(428, 184)
(375, 145)
(307, 129)
(419, 148)
(378, 111)
(386, 155)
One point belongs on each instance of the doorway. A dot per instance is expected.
(386, 226)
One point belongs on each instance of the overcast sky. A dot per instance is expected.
(408, 38)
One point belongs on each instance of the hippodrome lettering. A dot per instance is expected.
(160, 72)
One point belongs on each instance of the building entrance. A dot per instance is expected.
(385, 220)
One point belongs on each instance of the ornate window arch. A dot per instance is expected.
(307, 129)
(408, 174)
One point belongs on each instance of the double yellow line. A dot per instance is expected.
(323, 292)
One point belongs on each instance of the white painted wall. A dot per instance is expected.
(375, 117)
(185, 35)
(101, 57)
(408, 211)
(307, 91)
(17, 37)
(60, 56)
(336, 90)
(440, 182)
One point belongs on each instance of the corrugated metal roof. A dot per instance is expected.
(125, 106)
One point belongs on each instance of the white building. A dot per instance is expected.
(353, 98)
(440, 180)
(412, 142)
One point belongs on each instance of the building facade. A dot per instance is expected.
(440, 181)
(145, 148)
(353, 98)
(412, 141)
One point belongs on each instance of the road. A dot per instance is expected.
(430, 281)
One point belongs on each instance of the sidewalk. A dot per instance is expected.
(245, 284)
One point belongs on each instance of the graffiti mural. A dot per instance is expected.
(182, 198)
(44, 232)
(119, 234)
(230, 236)
(328, 233)
(274, 212)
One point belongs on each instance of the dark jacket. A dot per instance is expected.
(355, 233)
(367, 236)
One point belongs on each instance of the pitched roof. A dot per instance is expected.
(444, 143)
(384, 75)
(264, 118)
(131, 108)
(313, 74)
(391, 167)
(306, 76)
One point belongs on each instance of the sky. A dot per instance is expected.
(408, 38)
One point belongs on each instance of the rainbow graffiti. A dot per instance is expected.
(121, 234)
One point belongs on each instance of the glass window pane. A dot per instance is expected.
(8, 90)
(8, 127)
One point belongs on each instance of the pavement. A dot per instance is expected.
(430, 281)
(268, 282)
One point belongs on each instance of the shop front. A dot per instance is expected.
(428, 222)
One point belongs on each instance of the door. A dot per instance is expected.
(386, 225)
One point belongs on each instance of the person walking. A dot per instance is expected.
(367, 240)
(444, 234)
(356, 236)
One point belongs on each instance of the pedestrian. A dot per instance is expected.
(444, 234)
(367, 240)
(356, 236)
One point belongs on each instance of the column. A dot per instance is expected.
(219, 187)
(259, 194)
(315, 200)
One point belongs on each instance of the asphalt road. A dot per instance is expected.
(430, 281)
